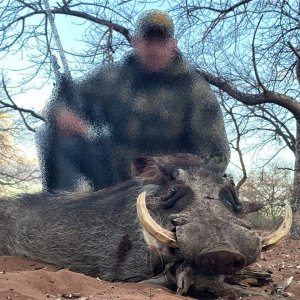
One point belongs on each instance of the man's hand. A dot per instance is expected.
(68, 123)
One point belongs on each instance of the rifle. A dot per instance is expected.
(64, 85)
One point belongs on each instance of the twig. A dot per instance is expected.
(19, 109)
(280, 287)
(254, 58)
(293, 49)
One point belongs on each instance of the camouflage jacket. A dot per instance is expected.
(153, 113)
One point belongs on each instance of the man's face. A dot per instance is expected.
(155, 53)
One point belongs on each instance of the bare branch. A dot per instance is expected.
(250, 99)
(254, 59)
(221, 11)
(19, 109)
(293, 49)
(118, 28)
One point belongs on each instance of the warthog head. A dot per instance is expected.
(200, 229)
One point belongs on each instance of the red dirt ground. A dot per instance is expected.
(24, 279)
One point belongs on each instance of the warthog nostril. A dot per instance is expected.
(220, 260)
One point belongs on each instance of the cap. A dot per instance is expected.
(154, 23)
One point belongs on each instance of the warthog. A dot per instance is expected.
(99, 233)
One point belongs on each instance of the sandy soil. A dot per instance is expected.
(24, 279)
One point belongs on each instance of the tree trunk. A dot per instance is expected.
(295, 231)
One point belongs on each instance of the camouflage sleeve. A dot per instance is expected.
(97, 91)
(86, 96)
(208, 124)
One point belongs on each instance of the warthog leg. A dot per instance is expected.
(181, 275)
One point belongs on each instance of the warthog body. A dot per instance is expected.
(99, 233)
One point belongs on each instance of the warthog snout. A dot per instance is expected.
(221, 260)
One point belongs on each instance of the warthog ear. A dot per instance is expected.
(149, 169)
(140, 163)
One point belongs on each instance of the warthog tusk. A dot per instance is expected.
(165, 236)
(281, 232)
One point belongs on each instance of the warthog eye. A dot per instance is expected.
(174, 194)
(174, 175)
